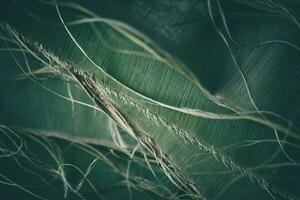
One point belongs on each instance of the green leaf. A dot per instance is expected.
(52, 168)
(210, 88)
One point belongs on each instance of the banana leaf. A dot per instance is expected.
(209, 88)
